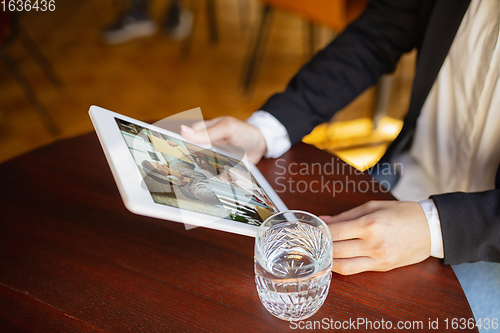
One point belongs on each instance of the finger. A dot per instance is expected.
(346, 230)
(351, 266)
(222, 131)
(200, 137)
(204, 124)
(198, 132)
(325, 217)
(348, 249)
(219, 130)
(186, 130)
(357, 212)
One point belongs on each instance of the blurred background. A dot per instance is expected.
(230, 57)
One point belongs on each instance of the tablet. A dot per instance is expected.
(160, 174)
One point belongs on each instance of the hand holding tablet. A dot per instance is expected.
(228, 130)
(160, 174)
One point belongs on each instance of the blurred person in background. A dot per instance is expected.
(136, 22)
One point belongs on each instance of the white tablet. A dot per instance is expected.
(160, 174)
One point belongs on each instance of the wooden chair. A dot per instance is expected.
(334, 14)
(11, 30)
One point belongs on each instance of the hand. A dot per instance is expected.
(379, 236)
(230, 131)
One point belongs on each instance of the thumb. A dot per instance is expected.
(214, 131)
(190, 134)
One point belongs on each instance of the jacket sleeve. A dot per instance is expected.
(470, 224)
(368, 48)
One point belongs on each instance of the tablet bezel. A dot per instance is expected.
(138, 200)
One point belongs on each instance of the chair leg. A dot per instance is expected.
(39, 57)
(46, 118)
(212, 21)
(188, 42)
(256, 54)
(311, 38)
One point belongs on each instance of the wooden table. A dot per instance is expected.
(73, 259)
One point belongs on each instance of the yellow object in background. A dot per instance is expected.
(357, 142)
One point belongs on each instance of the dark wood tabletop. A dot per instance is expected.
(73, 259)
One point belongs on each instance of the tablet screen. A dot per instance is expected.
(179, 174)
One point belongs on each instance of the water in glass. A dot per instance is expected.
(293, 269)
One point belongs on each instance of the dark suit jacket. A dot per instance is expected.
(368, 48)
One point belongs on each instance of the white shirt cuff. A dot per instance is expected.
(275, 134)
(431, 212)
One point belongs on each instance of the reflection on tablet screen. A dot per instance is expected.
(186, 176)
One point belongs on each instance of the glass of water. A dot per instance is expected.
(293, 261)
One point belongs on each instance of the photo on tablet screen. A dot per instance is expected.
(186, 176)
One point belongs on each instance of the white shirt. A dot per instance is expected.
(455, 147)
(456, 142)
